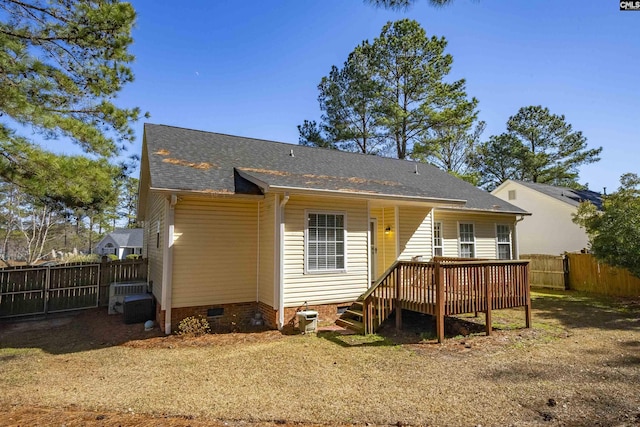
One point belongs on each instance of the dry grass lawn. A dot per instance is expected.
(578, 365)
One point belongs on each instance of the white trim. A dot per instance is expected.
(498, 242)
(209, 193)
(258, 257)
(276, 252)
(281, 242)
(475, 246)
(307, 212)
(370, 257)
(482, 211)
(396, 213)
(167, 260)
(516, 251)
(384, 243)
(354, 194)
(373, 243)
(433, 238)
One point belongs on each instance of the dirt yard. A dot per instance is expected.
(578, 365)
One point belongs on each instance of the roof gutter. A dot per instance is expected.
(366, 195)
(221, 194)
(474, 210)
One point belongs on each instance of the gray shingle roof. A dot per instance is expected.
(565, 194)
(184, 159)
(128, 237)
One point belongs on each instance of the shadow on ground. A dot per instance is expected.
(72, 332)
(576, 310)
(416, 328)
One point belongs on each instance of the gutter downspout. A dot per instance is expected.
(516, 249)
(167, 261)
(283, 202)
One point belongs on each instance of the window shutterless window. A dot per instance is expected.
(437, 239)
(325, 242)
(467, 241)
(503, 237)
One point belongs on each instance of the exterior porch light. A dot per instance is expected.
(387, 230)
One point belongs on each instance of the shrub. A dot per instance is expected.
(193, 326)
(133, 256)
(113, 257)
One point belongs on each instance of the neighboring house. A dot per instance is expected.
(550, 229)
(235, 226)
(121, 243)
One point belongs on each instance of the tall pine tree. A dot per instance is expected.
(389, 95)
(538, 147)
(62, 63)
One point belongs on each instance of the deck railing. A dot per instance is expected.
(445, 288)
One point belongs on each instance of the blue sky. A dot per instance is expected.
(251, 68)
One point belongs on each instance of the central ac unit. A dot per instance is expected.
(117, 292)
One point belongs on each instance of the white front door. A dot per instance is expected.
(373, 248)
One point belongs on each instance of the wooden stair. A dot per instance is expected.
(353, 317)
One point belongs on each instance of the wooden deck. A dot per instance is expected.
(446, 288)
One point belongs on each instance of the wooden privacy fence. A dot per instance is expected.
(548, 271)
(446, 289)
(589, 275)
(34, 290)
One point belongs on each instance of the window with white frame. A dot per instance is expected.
(503, 236)
(467, 241)
(437, 239)
(325, 243)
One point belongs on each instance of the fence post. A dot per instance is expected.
(47, 280)
(565, 265)
(528, 296)
(488, 297)
(439, 276)
(103, 278)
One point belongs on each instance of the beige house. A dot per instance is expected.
(550, 229)
(239, 228)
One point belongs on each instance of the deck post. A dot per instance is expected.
(488, 297)
(398, 295)
(439, 276)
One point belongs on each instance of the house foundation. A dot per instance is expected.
(238, 316)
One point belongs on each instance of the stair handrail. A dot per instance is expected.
(380, 280)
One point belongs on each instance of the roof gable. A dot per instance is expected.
(189, 160)
(127, 237)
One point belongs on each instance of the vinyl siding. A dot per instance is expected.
(324, 288)
(415, 233)
(155, 214)
(484, 229)
(266, 278)
(550, 229)
(215, 252)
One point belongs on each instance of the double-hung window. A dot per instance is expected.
(503, 236)
(325, 243)
(467, 241)
(437, 239)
